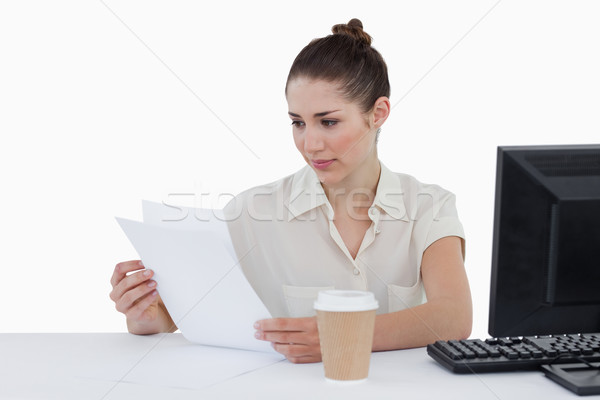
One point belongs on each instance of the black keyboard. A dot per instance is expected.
(515, 353)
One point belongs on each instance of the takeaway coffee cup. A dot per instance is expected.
(346, 319)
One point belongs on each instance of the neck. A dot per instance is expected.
(357, 191)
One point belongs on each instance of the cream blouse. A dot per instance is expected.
(289, 247)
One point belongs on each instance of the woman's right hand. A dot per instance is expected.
(135, 295)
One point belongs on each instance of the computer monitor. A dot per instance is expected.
(546, 241)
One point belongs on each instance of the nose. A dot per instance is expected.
(313, 140)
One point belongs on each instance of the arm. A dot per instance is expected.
(448, 312)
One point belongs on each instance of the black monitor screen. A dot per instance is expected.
(546, 246)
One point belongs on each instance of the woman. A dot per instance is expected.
(344, 221)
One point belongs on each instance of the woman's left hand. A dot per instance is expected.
(296, 338)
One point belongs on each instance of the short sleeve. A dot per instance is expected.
(445, 222)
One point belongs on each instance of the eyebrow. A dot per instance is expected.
(317, 115)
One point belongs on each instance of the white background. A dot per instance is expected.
(105, 103)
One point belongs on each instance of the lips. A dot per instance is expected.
(322, 164)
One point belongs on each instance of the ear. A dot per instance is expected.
(381, 110)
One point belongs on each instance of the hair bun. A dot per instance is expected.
(353, 28)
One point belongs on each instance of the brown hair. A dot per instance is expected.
(347, 58)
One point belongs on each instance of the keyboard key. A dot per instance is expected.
(574, 350)
(494, 353)
(537, 354)
(481, 353)
(550, 352)
(531, 348)
(508, 352)
(449, 350)
(468, 354)
(524, 354)
(542, 343)
(587, 351)
(529, 340)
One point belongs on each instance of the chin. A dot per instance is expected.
(327, 178)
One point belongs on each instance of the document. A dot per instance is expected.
(198, 275)
(180, 217)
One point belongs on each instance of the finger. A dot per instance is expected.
(275, 324)
(305, 359)
(129, 282)
(287, 337)
(122, 268)
(133, 296)
(297, 351)
(286, 324)
(136, 312)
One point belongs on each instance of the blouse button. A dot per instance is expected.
(356, 271)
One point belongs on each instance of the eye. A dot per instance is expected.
(328, 122)
(297, 123)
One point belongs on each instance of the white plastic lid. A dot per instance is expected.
(345, 300)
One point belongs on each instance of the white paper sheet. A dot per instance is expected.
(201, 284)
(180, 217)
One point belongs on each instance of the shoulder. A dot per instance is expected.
(413, 188)
(430, 208)
(416, 196)
(425, 206)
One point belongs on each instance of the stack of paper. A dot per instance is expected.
(198, 275)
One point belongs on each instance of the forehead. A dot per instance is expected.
(313, 96)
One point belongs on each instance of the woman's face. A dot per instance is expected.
(332, 134)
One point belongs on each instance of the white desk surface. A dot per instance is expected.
(76, 366)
